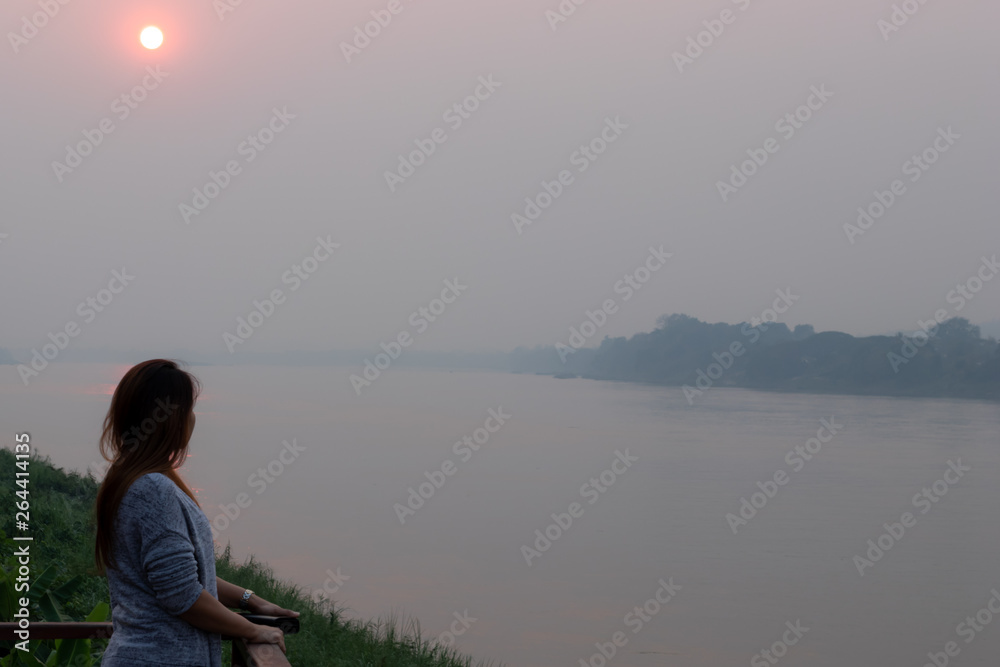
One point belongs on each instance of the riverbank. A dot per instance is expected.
(948, 360)
(61, 505)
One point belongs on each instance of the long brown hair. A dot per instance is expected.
(146, 430)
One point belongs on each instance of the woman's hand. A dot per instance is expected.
(262, 607)
(265, 634)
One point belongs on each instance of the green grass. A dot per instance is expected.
(63, 530)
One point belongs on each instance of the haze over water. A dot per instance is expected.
(664, 518)
(318, 181)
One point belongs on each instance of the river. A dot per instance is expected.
(645, 547)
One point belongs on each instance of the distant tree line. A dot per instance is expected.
(952, 361)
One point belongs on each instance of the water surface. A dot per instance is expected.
(664, 518)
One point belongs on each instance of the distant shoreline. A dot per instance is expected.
(792, 392)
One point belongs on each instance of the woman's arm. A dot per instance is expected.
(210, 615)
(231, 594)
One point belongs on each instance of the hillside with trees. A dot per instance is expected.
(952, 361)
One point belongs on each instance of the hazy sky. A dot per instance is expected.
(221, 76)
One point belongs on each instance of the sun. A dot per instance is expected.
(151, 37)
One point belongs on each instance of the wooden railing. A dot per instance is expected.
(263, 655)
(257, 655)
(244, 654)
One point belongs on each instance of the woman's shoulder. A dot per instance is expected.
(152, 487)
(153, 481)
(152, 501)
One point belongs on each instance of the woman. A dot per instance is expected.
(154, 541)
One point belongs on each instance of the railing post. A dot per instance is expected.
(257, 655)
(239, 653)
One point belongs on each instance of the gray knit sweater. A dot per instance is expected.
(165, 556)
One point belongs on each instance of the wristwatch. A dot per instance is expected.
(245, 600)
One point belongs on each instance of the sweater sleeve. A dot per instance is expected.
(167, 553)
(172, 571)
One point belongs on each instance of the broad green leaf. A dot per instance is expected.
(44, 651)
(75, 652)
(51, 610)
(99, 614)
(22, 659)
(65, 592)
(42, 582)
(8, 597)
